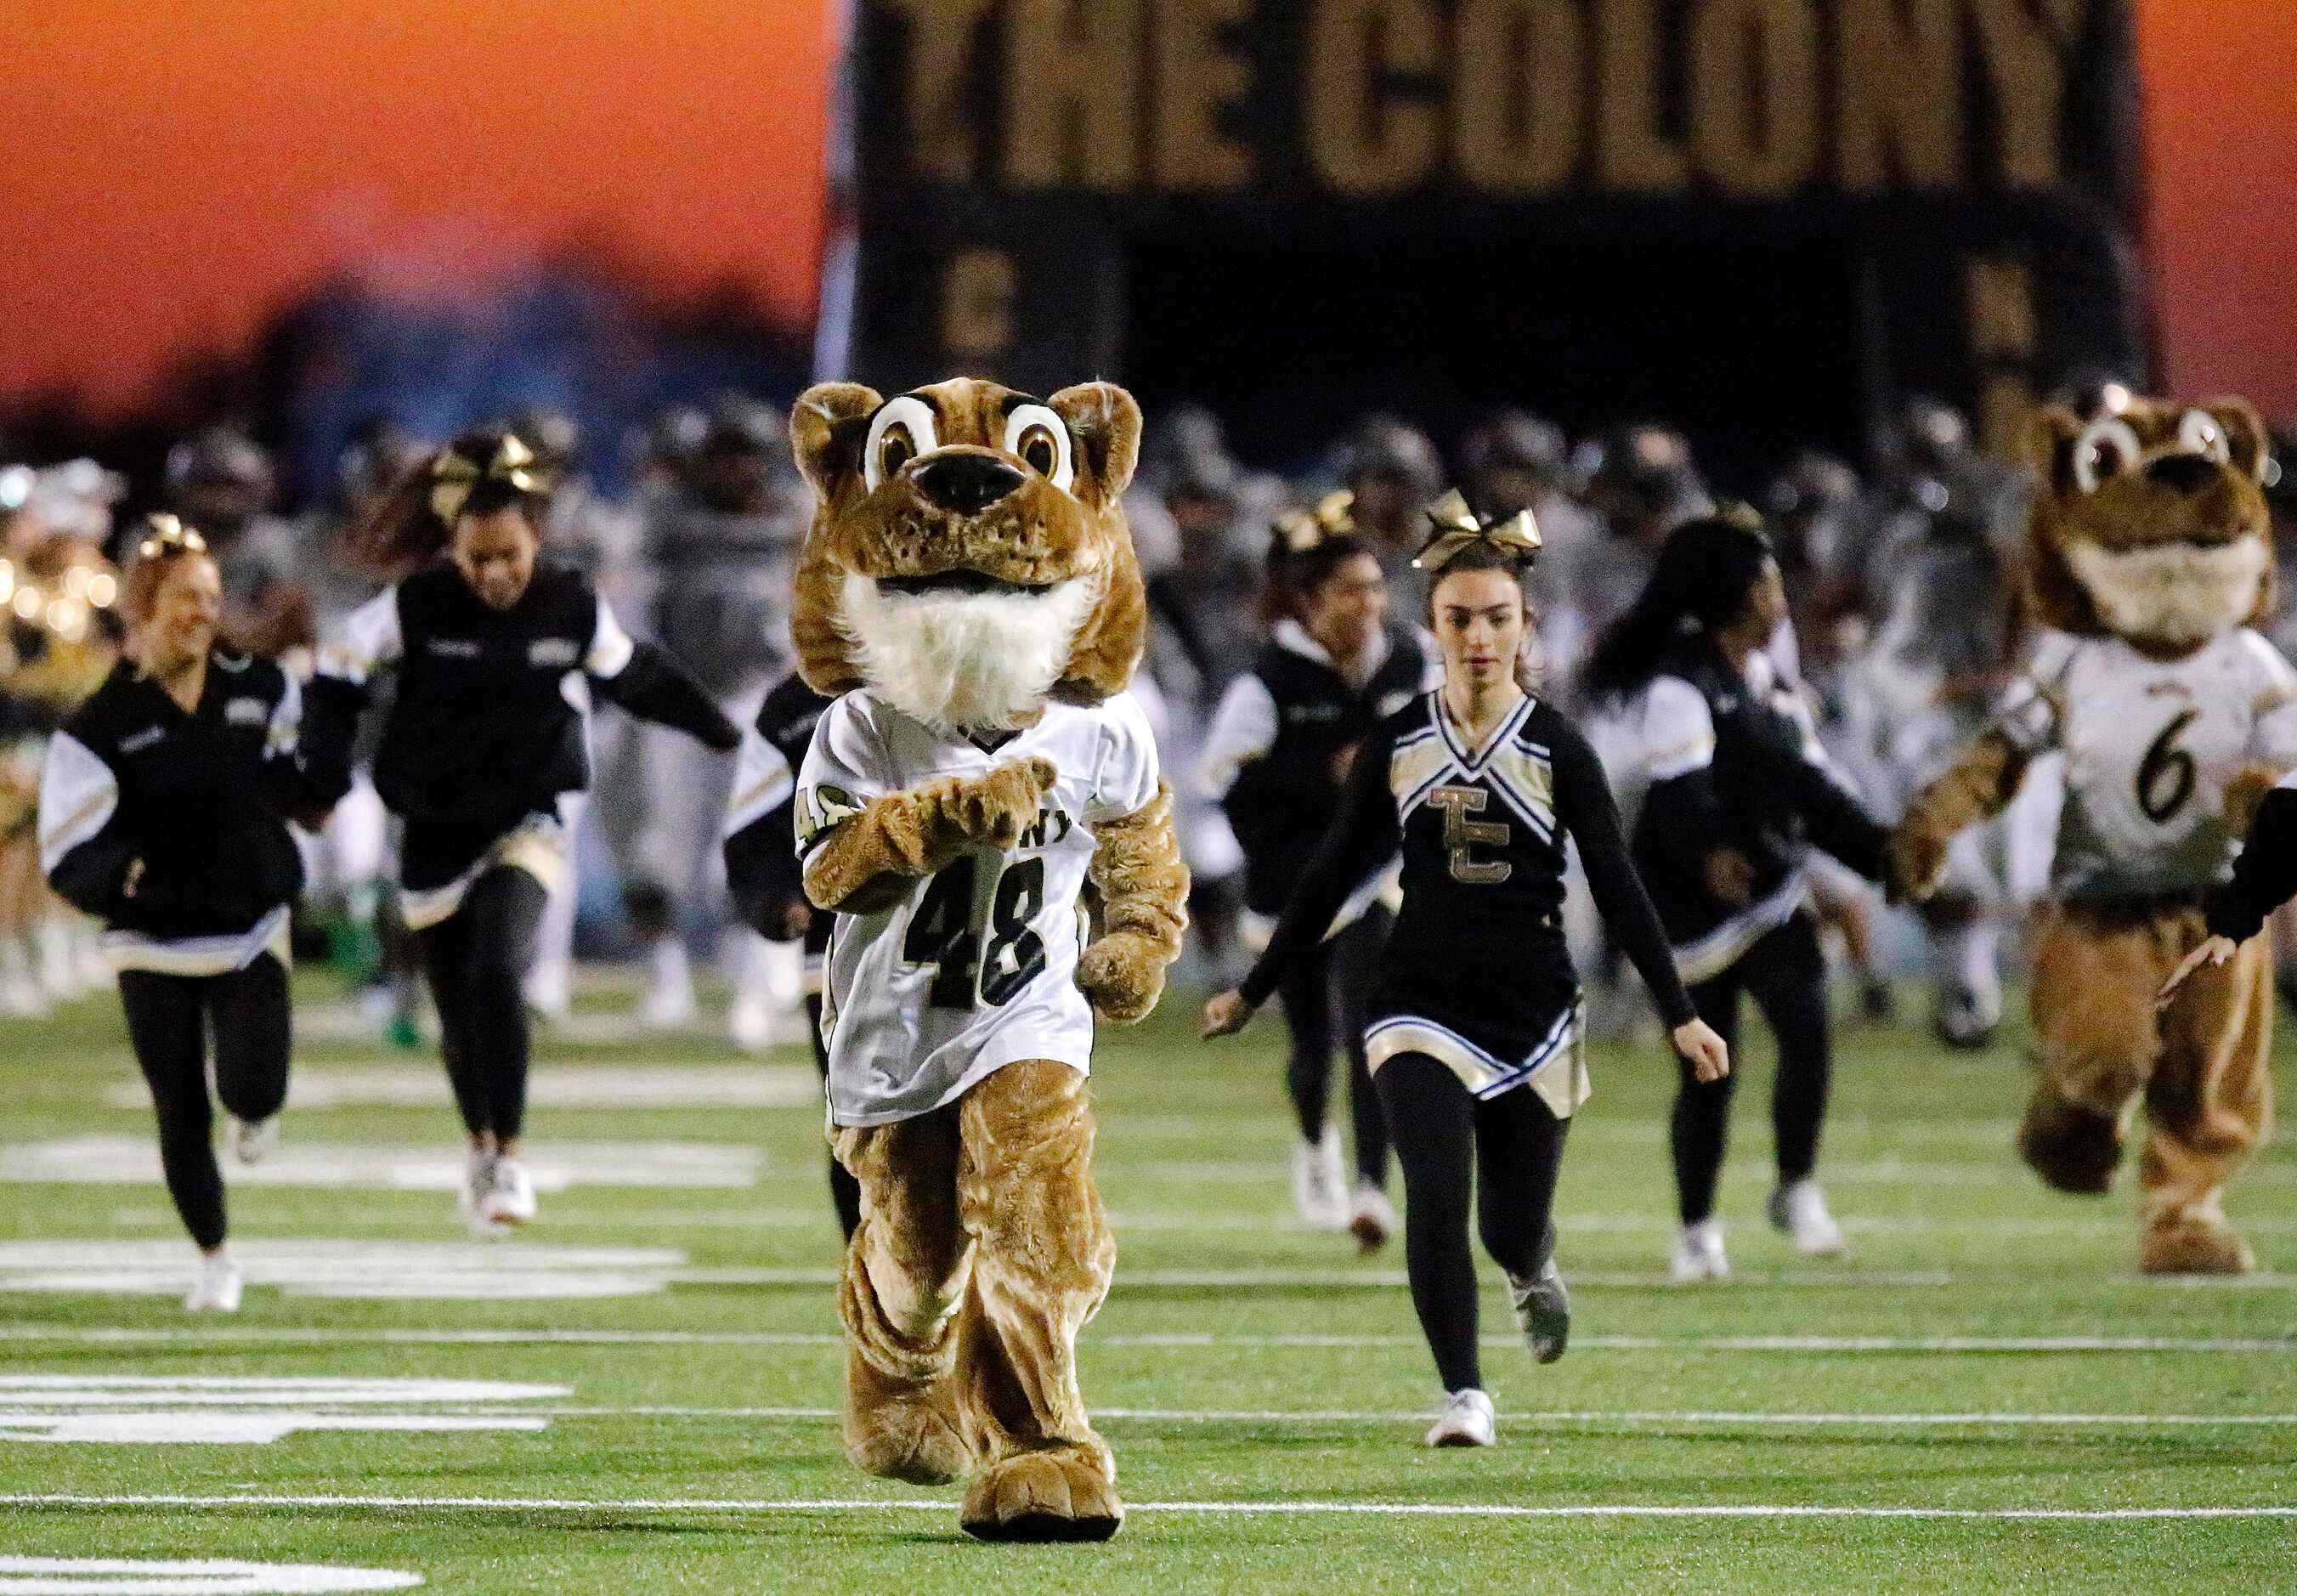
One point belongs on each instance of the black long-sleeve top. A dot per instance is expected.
(169, 825)
(482, 731)
(1731, 766)
(763, 873)
(1478, 946)
(2265, 877)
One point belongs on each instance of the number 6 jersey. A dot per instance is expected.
(2150, 745)
(974, 968)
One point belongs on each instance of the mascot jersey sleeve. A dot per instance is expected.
(975, 966)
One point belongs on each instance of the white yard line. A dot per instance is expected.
(196, 1335)
(1417, 1416)
(713, 1504)
(1279, 1280)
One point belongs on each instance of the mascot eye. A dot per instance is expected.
(2107, 448)
(902, 430)
(2199, 433)
(1041, 441)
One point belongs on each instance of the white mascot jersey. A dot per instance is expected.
(2150, 745)
(974, 968)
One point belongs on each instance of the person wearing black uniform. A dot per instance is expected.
(164, 804)
(1738, 790)
(479, 743)
(1333, 669)
(762, 872)
(2264, 877)
(1475, 1038)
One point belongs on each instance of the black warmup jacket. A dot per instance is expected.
(762, 870)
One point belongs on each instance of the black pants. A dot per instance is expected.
(1785, 974)
(844, 1190)
(168, 1019)
(476, 959)
(1504, 1153)
(1323, 1000)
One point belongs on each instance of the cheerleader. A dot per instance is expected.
(163, 813)
(482, 742)
(1333, 667)
(763, 874)
(1475, 1038)
(1739, 790)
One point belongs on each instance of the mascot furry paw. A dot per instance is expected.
(969, 586)
(2149, 556)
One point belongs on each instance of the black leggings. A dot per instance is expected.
(1785, 974)
(476, 959)
(1323, 999)
(1506, 1151)
(169, 1017)
(844, 1190)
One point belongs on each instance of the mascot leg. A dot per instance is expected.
(2208, 1106)
(2096, 1042)
(905, 1277)
(1042, 1258)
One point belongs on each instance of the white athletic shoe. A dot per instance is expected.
(1543, 1307)
(670, 996)
(1468, 1420)
(475, 1196)
(510, 1195)
(750, 1022)
(1799, 1211)
(1372, 1221)
(1699, 1253)
(251, 1139)
(550, 988)
(216, 1288)
(1319, 1184)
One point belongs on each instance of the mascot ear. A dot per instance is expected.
(1105, 421)
(826, 431)
(2049, 441)
(2246, 437)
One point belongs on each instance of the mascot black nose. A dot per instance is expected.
(2182, 474)
(967, 484)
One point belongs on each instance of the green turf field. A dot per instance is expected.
(1984, 1395)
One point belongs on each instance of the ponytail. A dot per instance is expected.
(1705, 570)
(479, 474)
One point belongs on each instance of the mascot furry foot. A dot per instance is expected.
(2196, 1246)
(969, 586)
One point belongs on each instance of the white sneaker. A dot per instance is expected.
(1320, 1187)
(750, 1022)
(670, 997)
(1699, 1253)
(1372, 1219)
(1543, 1307)
(1466, 1419)
(550, 988)
(1799, 1211)
(216, 1288)
(475, 1196)
(251, 1139)
(510, 1195)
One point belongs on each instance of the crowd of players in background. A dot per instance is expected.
(1902, 628)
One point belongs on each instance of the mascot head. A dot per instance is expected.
(2150, 524)
(969, 558)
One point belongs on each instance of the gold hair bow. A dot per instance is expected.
(1333, 516)
(453, 475)
(164, 532)
(1457, 526)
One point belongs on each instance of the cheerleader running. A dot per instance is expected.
(163, 813)
(1738, 790)
(1475, 1038)
(1333, 669)
(481, 744)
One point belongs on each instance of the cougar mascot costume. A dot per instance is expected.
(969, 586)
(2149, 556)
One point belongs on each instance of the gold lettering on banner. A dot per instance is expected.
(1460, 833)
(1897, 93)
(977, 304)
(940, 133)
(1197, 77)
(1632, 152)
(2028, 74)
(1363, 136)
(1071, 72)
(2004, 336)
(1754, 122)
(1516, 92)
